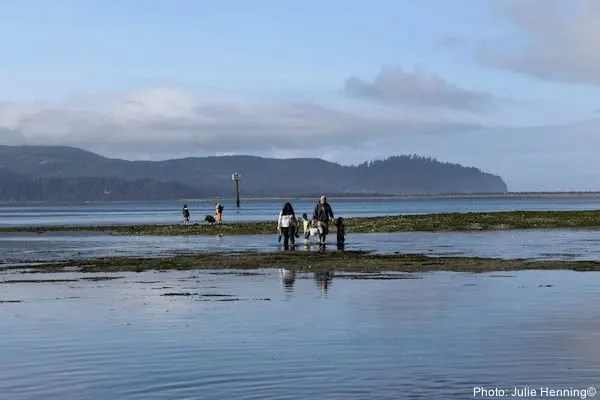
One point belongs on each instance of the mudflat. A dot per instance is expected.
(480, 221)
(345, 261)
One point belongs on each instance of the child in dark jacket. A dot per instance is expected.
(341, 230)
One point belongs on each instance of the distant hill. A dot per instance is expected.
(51, 173)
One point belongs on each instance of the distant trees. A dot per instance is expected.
(90, 189)
(69, 174)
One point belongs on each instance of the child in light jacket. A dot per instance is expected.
(305, 226)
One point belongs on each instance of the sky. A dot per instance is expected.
(510, 87)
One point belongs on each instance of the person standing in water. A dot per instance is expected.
(306, 226)
(186, 214)
(322, 214)
(219, 212)
(286, 225)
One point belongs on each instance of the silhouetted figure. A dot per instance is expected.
(341, 231)
(186, 214)
(286, 225)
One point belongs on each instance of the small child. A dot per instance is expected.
(306, 226)
(341, 230)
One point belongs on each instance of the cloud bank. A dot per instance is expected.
(168, 121)
(557, 40)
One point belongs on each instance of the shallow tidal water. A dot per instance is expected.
(274, 334)
(267, 210)
(550, 244)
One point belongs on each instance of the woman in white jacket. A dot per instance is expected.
(286, 225)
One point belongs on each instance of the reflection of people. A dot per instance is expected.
(323, 279)
(322, 214)
(219, 212)
(286, 225)
(288, 277)
(186, 214)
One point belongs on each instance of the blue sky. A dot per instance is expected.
(507, 86)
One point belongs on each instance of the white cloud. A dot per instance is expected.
(167, 121)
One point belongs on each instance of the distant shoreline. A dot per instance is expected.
(509, 195)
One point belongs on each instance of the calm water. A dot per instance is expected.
(532, 244)
(279, 335)
(315, 337)
(147, 213)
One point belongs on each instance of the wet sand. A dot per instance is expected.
(482, 221)
(344, 261)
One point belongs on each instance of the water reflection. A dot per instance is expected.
(535, 244)
(494, 330)
(323, 279)
(288, 278)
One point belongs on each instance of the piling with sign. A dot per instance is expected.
(236, 178)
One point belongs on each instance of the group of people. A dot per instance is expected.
(209, 218)
(287, 224)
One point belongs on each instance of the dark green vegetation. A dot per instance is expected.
(351, 261)
(428, 222)
(23, 188)
(48, 173)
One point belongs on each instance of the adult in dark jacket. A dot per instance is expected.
(323, 214)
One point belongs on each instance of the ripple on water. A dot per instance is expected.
(530, 244)
(435, 336)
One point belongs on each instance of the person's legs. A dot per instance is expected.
(322, 232)
(320, 226)
(219, 217)
(292, 235)
(286, 237)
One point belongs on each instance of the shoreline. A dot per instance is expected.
(450, 222)
(351, 261)
(417, 196)
(507, 195)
